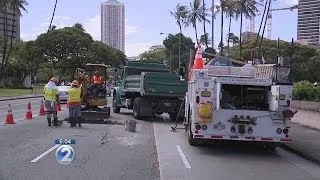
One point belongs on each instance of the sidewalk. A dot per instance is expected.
(305, 142)
(20, 97)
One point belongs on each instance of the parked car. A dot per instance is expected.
(63, 93)
(108, 89)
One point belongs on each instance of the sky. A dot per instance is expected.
(144, 20)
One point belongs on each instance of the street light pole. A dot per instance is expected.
(212, 23)
(170, 54)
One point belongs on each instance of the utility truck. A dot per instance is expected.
(247, 103)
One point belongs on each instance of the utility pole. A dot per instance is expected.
(212, 24)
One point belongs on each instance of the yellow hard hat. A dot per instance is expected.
(75, 83)
(54, 79)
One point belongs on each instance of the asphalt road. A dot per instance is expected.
(102, 151)
(109, 152)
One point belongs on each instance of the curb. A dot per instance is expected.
(16, 98)
(301, 154)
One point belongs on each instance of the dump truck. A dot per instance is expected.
(149, 89)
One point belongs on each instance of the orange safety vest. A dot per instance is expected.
(96, 79)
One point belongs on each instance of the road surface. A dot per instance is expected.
(108, 152)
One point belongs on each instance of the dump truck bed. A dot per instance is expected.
(150, 79)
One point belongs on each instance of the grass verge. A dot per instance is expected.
(4, 92)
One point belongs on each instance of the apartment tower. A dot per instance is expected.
(113, 24)
(309, 21)
(9, 22)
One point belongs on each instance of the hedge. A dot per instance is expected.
(306, 91)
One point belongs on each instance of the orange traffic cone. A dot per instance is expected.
(9, 119)
(42, 112)
(58, 106)
(198, 62)
(29, 113)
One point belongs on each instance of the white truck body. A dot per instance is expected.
(265, 124)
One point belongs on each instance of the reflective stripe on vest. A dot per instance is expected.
(49, 93)
(96, 79)
(74, 95)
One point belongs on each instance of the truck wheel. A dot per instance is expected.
(191, 140)
(115, 108)
(136, 108)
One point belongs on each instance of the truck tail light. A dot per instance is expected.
(197, 99)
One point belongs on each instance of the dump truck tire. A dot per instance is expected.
(136, 108)
(115, 108)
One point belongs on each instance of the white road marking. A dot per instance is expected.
(183, 157)
(302, 163)
(45, 153)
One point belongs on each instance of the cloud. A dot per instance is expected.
(290, 2)
(130, 30)
(93, 27)
(135, 49)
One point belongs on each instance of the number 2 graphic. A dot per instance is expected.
(66, 158)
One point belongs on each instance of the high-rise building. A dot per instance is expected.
(113, 24)
(9, 23)
(309, 21)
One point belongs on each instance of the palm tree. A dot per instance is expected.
(79, 26)
(204, 39)
(231, 12)
(180, 13)
(222, 7)
(205, 20)
(248, 9)
(195, 16)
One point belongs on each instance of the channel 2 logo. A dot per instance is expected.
(65, 154)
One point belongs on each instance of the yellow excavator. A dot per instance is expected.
(94, 101)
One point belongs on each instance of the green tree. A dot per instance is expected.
(204, 39)
(248, 9)
(67, 48)
(101, 53)
(231, 12)
(180, 14)
(154, 54)
(205, 20)
(26, 60)
(305, 58)
(14, 6)
(222, 11)
(171, 43)
(79, 26)
(232, 38)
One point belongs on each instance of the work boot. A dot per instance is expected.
(49, 121)
(71, 122)
(79, 121)
(55, 121)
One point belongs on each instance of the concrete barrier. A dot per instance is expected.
(308, 113)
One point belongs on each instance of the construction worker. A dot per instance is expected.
(74, 101)
(51, 97)
(96, 82)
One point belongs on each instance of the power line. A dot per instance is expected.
(53, 13)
